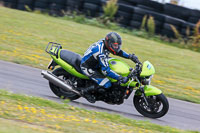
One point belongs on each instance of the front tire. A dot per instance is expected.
(61, 73)
(158, 105)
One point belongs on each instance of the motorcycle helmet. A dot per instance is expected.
(113, 42)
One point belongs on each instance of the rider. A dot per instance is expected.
(96, 58)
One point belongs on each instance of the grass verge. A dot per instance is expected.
(24, 36)
(19, 113)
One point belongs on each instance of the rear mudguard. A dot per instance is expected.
(65, 65)
(149, 90)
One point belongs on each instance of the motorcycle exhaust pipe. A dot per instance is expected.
(55, 80)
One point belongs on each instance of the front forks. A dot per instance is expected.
(143, 95)
(141, 88)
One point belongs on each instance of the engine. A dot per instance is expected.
(115, 95)
(146, 80)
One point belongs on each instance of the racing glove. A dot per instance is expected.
(123, 79)
(134, 58)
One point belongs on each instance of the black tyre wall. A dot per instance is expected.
(103, 2)
(195, 13)
(184, 30)
(167, 26)
(22, 3)
(123, 18)
(176, 11)
(10, 4)
(127, 2)
(187, 24)
(153, 5)
(21, 7)
(41, 4)
(90, 9)
(167, 33)
(146, 8)
(57, 7)
(140, 11)
(126, 8)
(96, 2)
(74, 5)
(135, 24)
(10, 1)
(177, 23)
(157, 16)
(167, 30)
(174, 21)
(58, 2)
(134, 2)
(27, 2)
(193, 19)
(137, 17)
(158, 26)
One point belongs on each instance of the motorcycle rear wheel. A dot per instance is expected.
(158, 105)
(61, 73)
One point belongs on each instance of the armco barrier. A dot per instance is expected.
(130, 12)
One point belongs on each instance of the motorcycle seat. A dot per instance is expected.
(71, 58)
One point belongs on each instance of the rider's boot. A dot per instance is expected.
(86, 92)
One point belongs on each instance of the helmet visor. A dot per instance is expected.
(116, 47)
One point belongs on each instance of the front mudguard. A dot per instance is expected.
(149, 90)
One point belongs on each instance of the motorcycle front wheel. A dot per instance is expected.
(157, 106)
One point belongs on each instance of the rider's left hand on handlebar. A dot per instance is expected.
(123, 79)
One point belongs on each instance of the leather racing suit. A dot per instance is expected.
(96, 59)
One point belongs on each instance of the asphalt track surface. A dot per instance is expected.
(27, 80)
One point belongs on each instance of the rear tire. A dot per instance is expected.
(156, 102)
(60, 72)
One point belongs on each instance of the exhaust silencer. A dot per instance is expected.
(56, 81)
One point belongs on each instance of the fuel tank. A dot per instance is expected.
(119, 66)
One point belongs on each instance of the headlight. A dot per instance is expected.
(147, 80)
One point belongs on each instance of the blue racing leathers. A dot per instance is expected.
(95, 59)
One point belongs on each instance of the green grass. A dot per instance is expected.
(24, 36)
(18, 126)
(22, 114)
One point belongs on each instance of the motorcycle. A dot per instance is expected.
(66, 80)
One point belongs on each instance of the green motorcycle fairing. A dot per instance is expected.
(147, 69)
(149, 90)
(116, 65)
(65, 65)
(122, 69)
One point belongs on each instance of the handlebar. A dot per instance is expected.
(134, 72)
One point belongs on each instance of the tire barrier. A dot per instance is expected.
(25, 4)
(176, 11)
(90, 9)
(130, 12)
(10, 3)
(152, 5)
(56, 7)
(124, 14)
(187, 27)
(74, 5)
